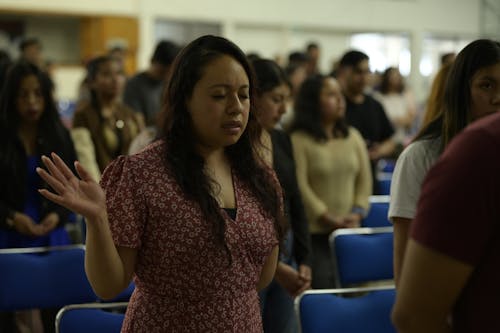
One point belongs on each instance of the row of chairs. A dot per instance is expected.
(54, 277)
(361, 255)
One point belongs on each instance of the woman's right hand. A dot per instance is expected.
(82, 195)
(23, 224)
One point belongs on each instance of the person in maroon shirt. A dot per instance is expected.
(451, 271)
(195, 218)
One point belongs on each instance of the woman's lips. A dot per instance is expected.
(232, 127)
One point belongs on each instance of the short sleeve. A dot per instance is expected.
(458, 210)
(127, 211)
(409, 173)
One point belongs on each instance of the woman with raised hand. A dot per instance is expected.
(195, 218)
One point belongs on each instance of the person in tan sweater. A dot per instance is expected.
(333, 169)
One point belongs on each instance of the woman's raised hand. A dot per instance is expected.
(82, 195)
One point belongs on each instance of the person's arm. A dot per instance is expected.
(297, 218)
(382, 149)
(363, 186)
(109, 269)
(313, 203)
(269, 269)
(429, 287)
(401, 234)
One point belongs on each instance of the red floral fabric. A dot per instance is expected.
(183, 280)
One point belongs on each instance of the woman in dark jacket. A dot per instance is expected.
(293, 274)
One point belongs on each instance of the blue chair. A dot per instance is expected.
(386, 166)
(362, 255)
(383, 183)
(93, 317)
(43, 278)
(327, 311)
(378, 214)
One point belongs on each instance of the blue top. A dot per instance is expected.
(32, 208)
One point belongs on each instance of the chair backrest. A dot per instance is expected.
(43, 278)
(378, 214)
(326, 311)
(93, 317)
(383, 183)
(362, 255)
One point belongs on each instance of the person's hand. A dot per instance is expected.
(374, 152)
(329, 220)
(352, 220)
(83, 196)
(305, 276)
(49, 222)
(25, 225)
(289, 279)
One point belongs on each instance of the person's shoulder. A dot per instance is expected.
(280, 136)
(354, 133)
(153, 153)
(427, 148)
(301, 135)
(137, 78)
(83, 107)
(488, 126)
(373, 103)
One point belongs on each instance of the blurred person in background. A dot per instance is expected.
(111, 124)
(31, 50)
(333, 169)
(313, 54)
(449, 280)
(293, 274)
(143, 91)
(364, 112)
(29, 128)
(435, 101)
(399, 105)
(471, 92)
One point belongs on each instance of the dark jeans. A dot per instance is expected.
(276, 304)
(323, 276)
(278, 315)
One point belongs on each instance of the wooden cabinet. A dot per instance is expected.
(98, 34)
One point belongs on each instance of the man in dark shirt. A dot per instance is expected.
(143, 91)
(451, 264)
(362, 111)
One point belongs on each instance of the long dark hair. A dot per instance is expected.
(308, 111)
(186, 163)
(50, 127)
(268, 75)
(93, 67)
(384, 84)
(456, 113)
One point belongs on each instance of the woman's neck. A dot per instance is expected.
(107, 104)
(266, 147)
(328, 128)
(27, 133)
